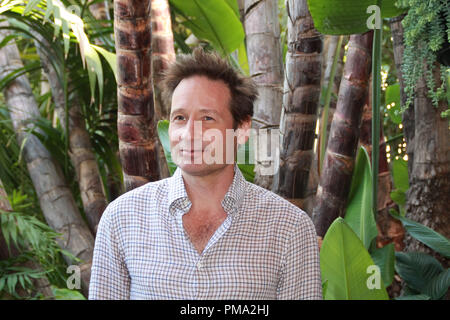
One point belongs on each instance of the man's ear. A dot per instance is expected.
(244, 131)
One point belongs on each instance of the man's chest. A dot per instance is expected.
(238, 265)
(200, 229)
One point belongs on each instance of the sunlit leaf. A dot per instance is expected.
(359, 214)
(344, 263)
(212, 20)
(339, 17)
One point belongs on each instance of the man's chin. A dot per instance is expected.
(200, 169)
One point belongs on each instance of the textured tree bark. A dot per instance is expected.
(41, 285)
(429, 194)
(300, 102)
(81, 153)
(330, 44)
(163, 51)
(100, 10)
(136, 129)
(55, 198)
(163, 54)
(334, 185)
(266, 68)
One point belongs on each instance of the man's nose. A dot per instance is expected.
(192, 131)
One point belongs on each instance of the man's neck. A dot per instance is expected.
(207, 191)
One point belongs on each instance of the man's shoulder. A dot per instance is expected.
(138, 199)
(275, 204)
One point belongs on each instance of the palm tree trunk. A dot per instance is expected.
(266, 68)
(429, 193)
(300, 102)
(163, 51)
(42, 284)
(163, 54)
(55, 198)
(330, 44)
(334, 185)
(428, 144)
(81, 154)
(136, 129)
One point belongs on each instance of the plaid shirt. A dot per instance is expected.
(265, 249)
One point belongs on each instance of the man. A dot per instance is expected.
(205, 232)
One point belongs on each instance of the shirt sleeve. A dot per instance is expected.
(300, 278)
(110, 279)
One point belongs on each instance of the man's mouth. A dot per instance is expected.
(191, 151)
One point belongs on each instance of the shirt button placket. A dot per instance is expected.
(203, 279)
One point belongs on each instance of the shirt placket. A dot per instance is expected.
(200, 261)
(192, 259)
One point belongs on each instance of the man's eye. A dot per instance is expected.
(178, 118)
(207, 118)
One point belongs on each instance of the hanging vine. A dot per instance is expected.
(426, 31)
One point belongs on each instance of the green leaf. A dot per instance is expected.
(242, 59)
(324, 287)
(66, 294)
(347, 16)
(247, 167)
(400, 174)
(385, 259)
(31, 5)
(414, 297)
(233, 4)
(11, 283)
(163, 133)
(359, 215)
(109, 57)
(417, 269)
(212, 20)
(399, 197)
(345, 263)
(2, 283)
(392, 98)
(426, 235)
(438, 286)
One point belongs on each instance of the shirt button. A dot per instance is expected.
(199, 265)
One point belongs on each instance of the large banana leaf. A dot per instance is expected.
(418, 269)
(214, 20)
(344, 265)
(347, 16)
(359, 215)
(438, 286)
(385, 259)
(426, 235)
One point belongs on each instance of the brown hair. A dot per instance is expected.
(210, 64)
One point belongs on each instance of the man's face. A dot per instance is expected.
(199, 119)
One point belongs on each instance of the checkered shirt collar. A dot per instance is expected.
(231, 202)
